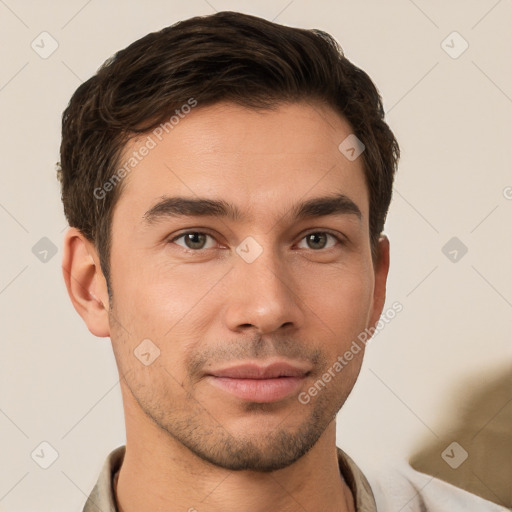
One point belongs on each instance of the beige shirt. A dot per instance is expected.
(102, 497)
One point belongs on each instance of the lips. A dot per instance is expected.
(252, 371)
(260, 383)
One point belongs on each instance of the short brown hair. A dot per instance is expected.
(227, 56)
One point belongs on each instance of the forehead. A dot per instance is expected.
(260, 159)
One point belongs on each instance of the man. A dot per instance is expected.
(226, 181)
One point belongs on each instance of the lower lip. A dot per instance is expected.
(259, 390)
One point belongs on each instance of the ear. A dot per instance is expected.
(381, 268)
(85, 282)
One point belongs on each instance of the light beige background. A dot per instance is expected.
(452, 117)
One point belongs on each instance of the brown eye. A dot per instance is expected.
(319, 240)
(194, 240)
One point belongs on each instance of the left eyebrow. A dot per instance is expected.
(338, 204)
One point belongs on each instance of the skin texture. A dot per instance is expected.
(302, 300)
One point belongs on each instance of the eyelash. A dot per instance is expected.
(337, 237)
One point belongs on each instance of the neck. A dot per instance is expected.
(158, 473)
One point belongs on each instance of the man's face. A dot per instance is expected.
(248, 311)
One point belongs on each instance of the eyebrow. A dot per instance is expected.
(167, 207)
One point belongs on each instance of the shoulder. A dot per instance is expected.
(102, 496)
(400, 487)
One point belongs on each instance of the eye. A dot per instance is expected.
(194, 240)
(319, 240)
(197, 240)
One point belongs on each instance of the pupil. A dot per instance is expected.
(316, 236)
(192, 240)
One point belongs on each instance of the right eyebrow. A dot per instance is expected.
(192, 207)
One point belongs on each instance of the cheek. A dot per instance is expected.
(342, 301)
(169, 304)
(157, 293)
(343, 304)
(179, 299)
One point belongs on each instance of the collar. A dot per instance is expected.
(102, 497)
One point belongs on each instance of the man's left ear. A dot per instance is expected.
(381, 268)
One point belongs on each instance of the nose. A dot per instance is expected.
(262, 295)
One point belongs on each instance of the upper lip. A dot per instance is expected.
(255, 371)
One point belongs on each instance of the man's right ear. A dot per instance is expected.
(85, 282)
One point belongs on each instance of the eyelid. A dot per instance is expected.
(201, 231)
(336, 234)
(339, 237)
